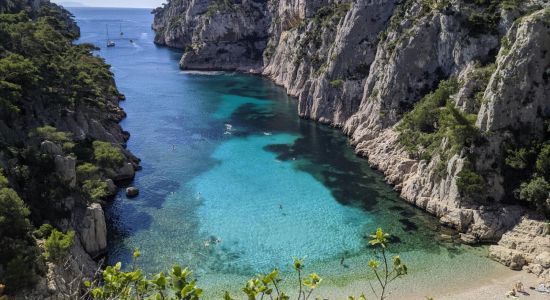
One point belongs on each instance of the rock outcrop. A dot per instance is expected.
(229, 35)
(526, 243)
(93, 230)
(363, 65)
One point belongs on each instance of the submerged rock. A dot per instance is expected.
(126, 172)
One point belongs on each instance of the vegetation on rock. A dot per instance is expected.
(44, 79)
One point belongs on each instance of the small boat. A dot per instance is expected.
(131, 41)
(110, 43)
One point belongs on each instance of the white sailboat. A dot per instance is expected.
(110, 43)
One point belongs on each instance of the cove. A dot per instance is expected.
(234, 183)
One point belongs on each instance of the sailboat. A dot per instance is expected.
(110, 43)
(121, 33)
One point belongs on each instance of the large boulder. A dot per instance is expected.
(93, 230)
(126, 172)
(65, 167)
(50, 148)
(111, 187)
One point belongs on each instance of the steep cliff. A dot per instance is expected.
(221, 34)
(60, 149)
(449, 98)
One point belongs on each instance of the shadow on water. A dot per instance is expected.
(326, 155)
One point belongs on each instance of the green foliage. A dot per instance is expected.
(87, 171)
(337, 83)
(527, 173)
(510, 4)
(386, 271)
(178, 284)
(218, 6)
(118, 284)
(433, 119)
(13, 214)
(58, 245)
(536, 191)
(17, 249)
(3, 180)
(37, 58)
(95, 189)
(50, 133)
(107, 155)
(43, 231)
(469, 182)
(542, 165)
(517, 159)
(482, 17)
(16, 74)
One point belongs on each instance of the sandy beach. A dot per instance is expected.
(494, 286)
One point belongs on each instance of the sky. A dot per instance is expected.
(114, 3)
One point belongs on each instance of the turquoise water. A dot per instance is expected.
(234, 183)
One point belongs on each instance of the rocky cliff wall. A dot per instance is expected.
(363, 65)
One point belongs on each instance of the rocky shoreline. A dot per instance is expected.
(361, 65)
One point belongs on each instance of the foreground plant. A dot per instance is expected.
(117, 284)
(178, 284)
(386, 272)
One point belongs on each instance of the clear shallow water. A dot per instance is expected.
(234, 183)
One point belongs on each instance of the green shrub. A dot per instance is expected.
(3, 180)
(95, 189)
(107, 155)
(16, 73)
(537, 192)
(58, 245)
(13, 214)
(338, 83)
(543, 161)
(470, 183)
(434, 118)
(50, 133)
(510, 4)
(17, 249)
(43, 231)
(86, 171)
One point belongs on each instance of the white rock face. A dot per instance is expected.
(528, 242)
(93, 230)
(65, 166)
(518, 93)
(215, 36)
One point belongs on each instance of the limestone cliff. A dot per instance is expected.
(365, 65)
